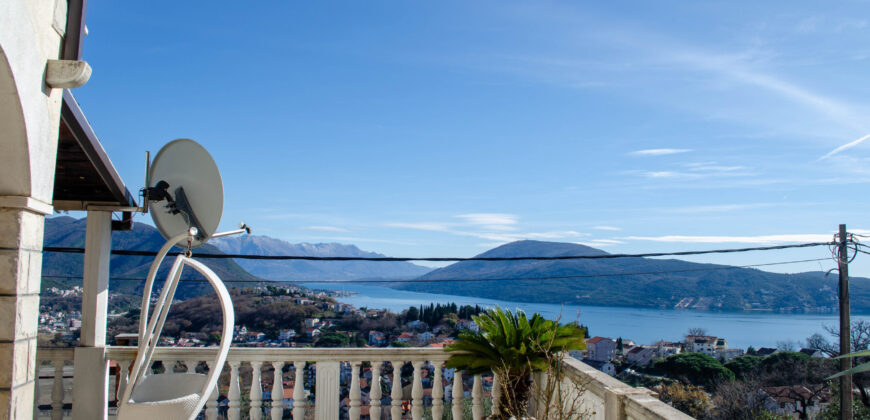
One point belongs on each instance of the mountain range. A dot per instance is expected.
(65, 231)
(662, 283)
(636, 282)
(62, 268)
(301, 270)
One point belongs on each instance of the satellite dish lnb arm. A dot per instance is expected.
(243, 228)
(182, 204)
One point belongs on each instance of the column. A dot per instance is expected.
(21, 231)
(90, 395)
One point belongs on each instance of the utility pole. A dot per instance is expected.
(845, 326)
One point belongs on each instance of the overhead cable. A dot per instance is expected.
(447, 259)
(576, 276)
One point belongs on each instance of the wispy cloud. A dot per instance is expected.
(495, 221)
(737, 68)
(658, 152)
(760, 239)
(695, 170)
(603, 227)
(846, 146)
(713, 167)
(497, 227)
(598, 243)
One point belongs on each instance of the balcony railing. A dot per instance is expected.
(333, 383)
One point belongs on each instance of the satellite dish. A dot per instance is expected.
(185, 191)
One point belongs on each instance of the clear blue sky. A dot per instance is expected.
(446, 128)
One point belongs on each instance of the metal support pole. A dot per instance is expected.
(845, 326)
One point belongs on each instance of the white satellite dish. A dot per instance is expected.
(186, 198)
(190, 191)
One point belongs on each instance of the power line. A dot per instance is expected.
(447, 259)
(577, 276)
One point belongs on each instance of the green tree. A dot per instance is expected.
(332, 339)
(397, 343)
(695, 368)
(744, 366)
(512, 346)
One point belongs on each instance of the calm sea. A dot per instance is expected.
(644, 326)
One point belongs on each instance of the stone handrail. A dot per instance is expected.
(334, 376)
(609, 398)
(250, 372)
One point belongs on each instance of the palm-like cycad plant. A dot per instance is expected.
(513, 347)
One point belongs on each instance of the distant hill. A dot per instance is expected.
(67, 231)
(726, 289)
(312, 270)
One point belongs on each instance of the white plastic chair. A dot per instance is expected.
(172, 396)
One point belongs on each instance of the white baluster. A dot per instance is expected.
(396, 391)
(211, 406)
(354, 410)
(299, 401)
(234, 393)
(477, 399)
(458, 394)
(277, 391)
(57, 391)
(437, 392)
(417, 391)
(256, 411)
(326, 383)
(375, 393)
(496, 393)
(169, 366)
(123, 377)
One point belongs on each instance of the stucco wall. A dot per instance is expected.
(30, 35)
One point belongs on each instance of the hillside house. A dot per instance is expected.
(705, 344)
(666, 349)
(601, 349)
(812, 352)
(641, 355)
(725, 355)
(605, 367)
(766, 351)
(467, 324)
(377, 338)
(796, 400)
(287, 334)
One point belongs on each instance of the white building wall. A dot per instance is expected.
(30, 35)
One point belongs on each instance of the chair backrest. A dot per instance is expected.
(151, 327)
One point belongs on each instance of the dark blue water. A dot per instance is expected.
(644, 326)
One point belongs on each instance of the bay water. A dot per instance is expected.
(643, 325)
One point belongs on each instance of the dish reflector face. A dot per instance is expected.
(194, 185)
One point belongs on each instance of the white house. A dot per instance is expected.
(600, 348)
(287, 334)
(605, 367)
